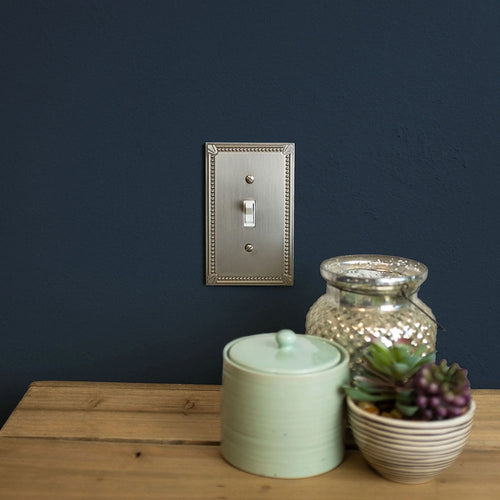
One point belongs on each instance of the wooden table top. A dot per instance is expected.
(82, 440)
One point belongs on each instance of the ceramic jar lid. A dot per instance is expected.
(284, 353)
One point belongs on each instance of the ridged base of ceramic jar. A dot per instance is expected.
(405, 451)
(280, 425)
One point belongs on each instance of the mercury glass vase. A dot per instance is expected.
(372, 298)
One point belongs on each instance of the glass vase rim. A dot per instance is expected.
(374, 273)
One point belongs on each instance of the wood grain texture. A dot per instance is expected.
(105, 411)
(57, 469)
(162, 413)
(77, 440)
(485, 434)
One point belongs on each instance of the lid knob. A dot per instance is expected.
(285, 339)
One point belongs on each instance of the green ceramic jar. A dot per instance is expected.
(282, 411)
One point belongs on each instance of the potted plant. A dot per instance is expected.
(409, 416)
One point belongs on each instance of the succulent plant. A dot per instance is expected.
(442, 391)
(386, 377)
(400, 382)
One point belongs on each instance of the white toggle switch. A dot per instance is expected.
(249, 213)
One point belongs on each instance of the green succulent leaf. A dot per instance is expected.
(406, 410)
(379, 365)
(372, 373)
(401, 352)
(381, 353)
(359, 395)
(379, 382)
(404, 393)
(421, 361)
(370, 387)
(400, 370)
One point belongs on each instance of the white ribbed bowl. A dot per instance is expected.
(408, 451)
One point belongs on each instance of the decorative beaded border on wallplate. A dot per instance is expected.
(211, 151)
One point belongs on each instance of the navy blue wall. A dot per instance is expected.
(105, 105)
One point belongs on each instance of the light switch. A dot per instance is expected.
(249, 213)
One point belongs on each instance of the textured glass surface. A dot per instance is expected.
(372, 298)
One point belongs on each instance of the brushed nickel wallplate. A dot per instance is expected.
(249, 213)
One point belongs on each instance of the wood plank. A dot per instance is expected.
(58, 469)
(485, 434)
(121, 397)
(104, 411)
(162, 413)
(109, 425)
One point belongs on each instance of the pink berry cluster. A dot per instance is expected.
(442, 391)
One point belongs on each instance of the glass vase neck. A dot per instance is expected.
(387, 301)
(374, 275)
